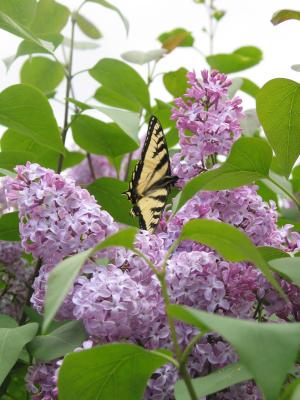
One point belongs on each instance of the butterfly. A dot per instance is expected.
(151, 179)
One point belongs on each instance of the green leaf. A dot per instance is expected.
(10, 25)
(116, 371)
(61, 278)
(59, 283)
(28, 47)
(214, 382)
(120, 78)
(142, 57)
(87, 27)
(249, 87)
(16, 389)
(7, 322)
(270, 253)
(268, 351)
(248, 161)
(178, 37)
(241, 59)
(284, 15)
(50, 17)
(278, 103)
(9, 227)
(12, 341)
(18, 149)
(21, 11)
(99, 137)
(27, 111)
(128, 121)
(176, 82)
(108, 193)
(292, 391)
(43, 73)
(106, 4)
(163, 112)
(231, 243)
(111, 98)
(59, 342)
(288, 267)
(9, 159)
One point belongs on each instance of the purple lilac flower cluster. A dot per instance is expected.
(15, 274)
(57, 219)
(122, 300)
(208, 123)
(82, 174)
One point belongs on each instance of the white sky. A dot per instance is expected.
(247, 23)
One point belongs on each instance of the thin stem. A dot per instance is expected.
(149, 262)
(211, 28)
(90, 162)
(284, 190)
(182, 368)
(68, 91)
(168, 253)
(80, 72)
(189, 347)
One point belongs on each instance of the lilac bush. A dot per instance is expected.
(123, 300)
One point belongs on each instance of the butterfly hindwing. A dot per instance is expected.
(151, 179)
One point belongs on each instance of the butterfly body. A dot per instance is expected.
(151, 179)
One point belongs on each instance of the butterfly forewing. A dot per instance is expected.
(155, 162)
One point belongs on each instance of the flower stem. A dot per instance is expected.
(68, 91)
(190, 346)
(284, 190)
(178, 354)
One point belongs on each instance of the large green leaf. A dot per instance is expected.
(43, 73)
(241, 59)
(108, 193)
(291, 391)
(58, 342)
(106, 4)
(268, 351)
(7, 322)
(61, 278)
(21, 11)
(12, 341)
(284, 15)
(17, 149)
(115, 371)
(16, 28)
(9, 227)
(27, 111)
(214, 382)
(123, 80)
(99, 137)
(176, 82)
(50, 17)
(248, 161)
(288, 267)
(128, 121)
(87, 27)
(278, 103)
(231, 243)
(9, 159)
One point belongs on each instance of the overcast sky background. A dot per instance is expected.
(247, 22)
